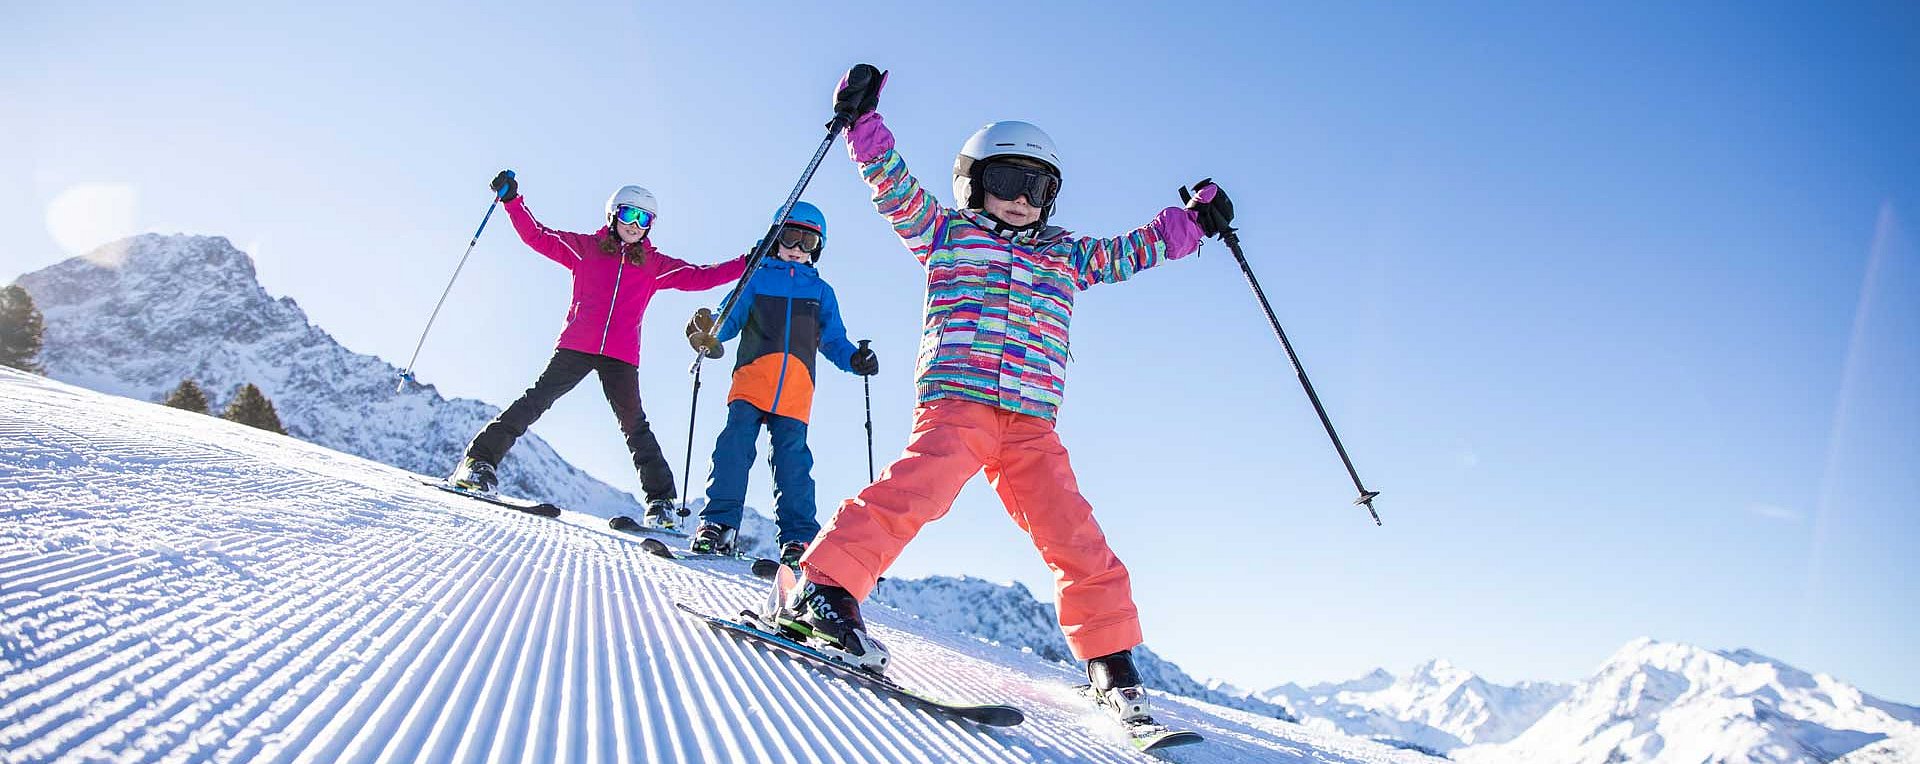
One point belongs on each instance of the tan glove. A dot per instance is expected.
(700, 331)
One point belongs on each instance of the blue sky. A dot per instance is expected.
(1616, 307)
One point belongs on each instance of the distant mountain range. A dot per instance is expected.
(1650, 702)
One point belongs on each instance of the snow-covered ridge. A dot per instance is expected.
(1438, 706)
(177, 587)
(136, 316)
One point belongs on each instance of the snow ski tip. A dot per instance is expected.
(628, 524)
(657, 548)
(989, 715)
(1162, 740)
(542, 508)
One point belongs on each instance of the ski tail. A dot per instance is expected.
(783, 585)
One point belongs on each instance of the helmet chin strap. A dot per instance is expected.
(1008, 230)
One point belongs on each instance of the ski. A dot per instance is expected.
(1146, 734)
(748, 627)
(1149, 736)
(540, 508)
(630, 525)
(762, 567)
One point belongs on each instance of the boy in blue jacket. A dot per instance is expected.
(783, 315)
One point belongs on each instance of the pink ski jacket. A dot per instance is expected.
(610, 291)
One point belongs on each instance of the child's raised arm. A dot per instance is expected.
(559, 246)
(687, 277)
(1171, 235)
(915, 214)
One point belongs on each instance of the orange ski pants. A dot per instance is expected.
(1026, 464)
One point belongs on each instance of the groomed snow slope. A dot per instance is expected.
(173, 586)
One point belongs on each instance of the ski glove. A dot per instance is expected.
(700, 330)
(1212, 209)
(504, 186)
(858, 92)
(864, 362)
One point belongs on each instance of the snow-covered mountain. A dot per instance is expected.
(174, 587)
(1008, 614)
(136, 316)
(1438, 707)
(1652, 703)
(1660, 702)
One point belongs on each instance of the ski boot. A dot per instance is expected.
(1116, 687)
(474, 475)
(791, 552)
(827, 618)
(663, 515)
(712, 538)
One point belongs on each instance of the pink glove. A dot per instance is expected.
(1180, 229)
(868, 138)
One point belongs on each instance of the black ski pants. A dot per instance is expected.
(621, 383)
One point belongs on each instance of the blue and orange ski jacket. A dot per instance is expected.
(786, 315)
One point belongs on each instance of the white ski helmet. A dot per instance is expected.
(999, 139)
(632, 196)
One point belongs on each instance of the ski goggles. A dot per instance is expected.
(634, 216)
(804, 239)
(1011, 181)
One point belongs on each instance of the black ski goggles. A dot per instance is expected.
(804, 239)
(634, 216)
(1011, 181)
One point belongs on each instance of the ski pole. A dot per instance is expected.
(1232, 238)
(406, 374)
(686, 468)
(767, 243)
(867, 382)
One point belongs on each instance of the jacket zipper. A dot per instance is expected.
(786, 342)
(619, 272)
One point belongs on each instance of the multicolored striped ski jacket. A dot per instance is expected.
(998, 309)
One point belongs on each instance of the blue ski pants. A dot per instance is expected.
(794, 510)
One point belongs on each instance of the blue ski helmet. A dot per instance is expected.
(806, 215)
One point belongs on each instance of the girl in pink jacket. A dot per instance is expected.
(616, 270)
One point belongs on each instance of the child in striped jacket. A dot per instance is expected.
(993, 350)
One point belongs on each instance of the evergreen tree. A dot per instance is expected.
(21, 330)
(251, 407)
(188, 396)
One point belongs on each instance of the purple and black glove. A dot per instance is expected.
(855, 100)
(1211, 207)
(859, 91)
